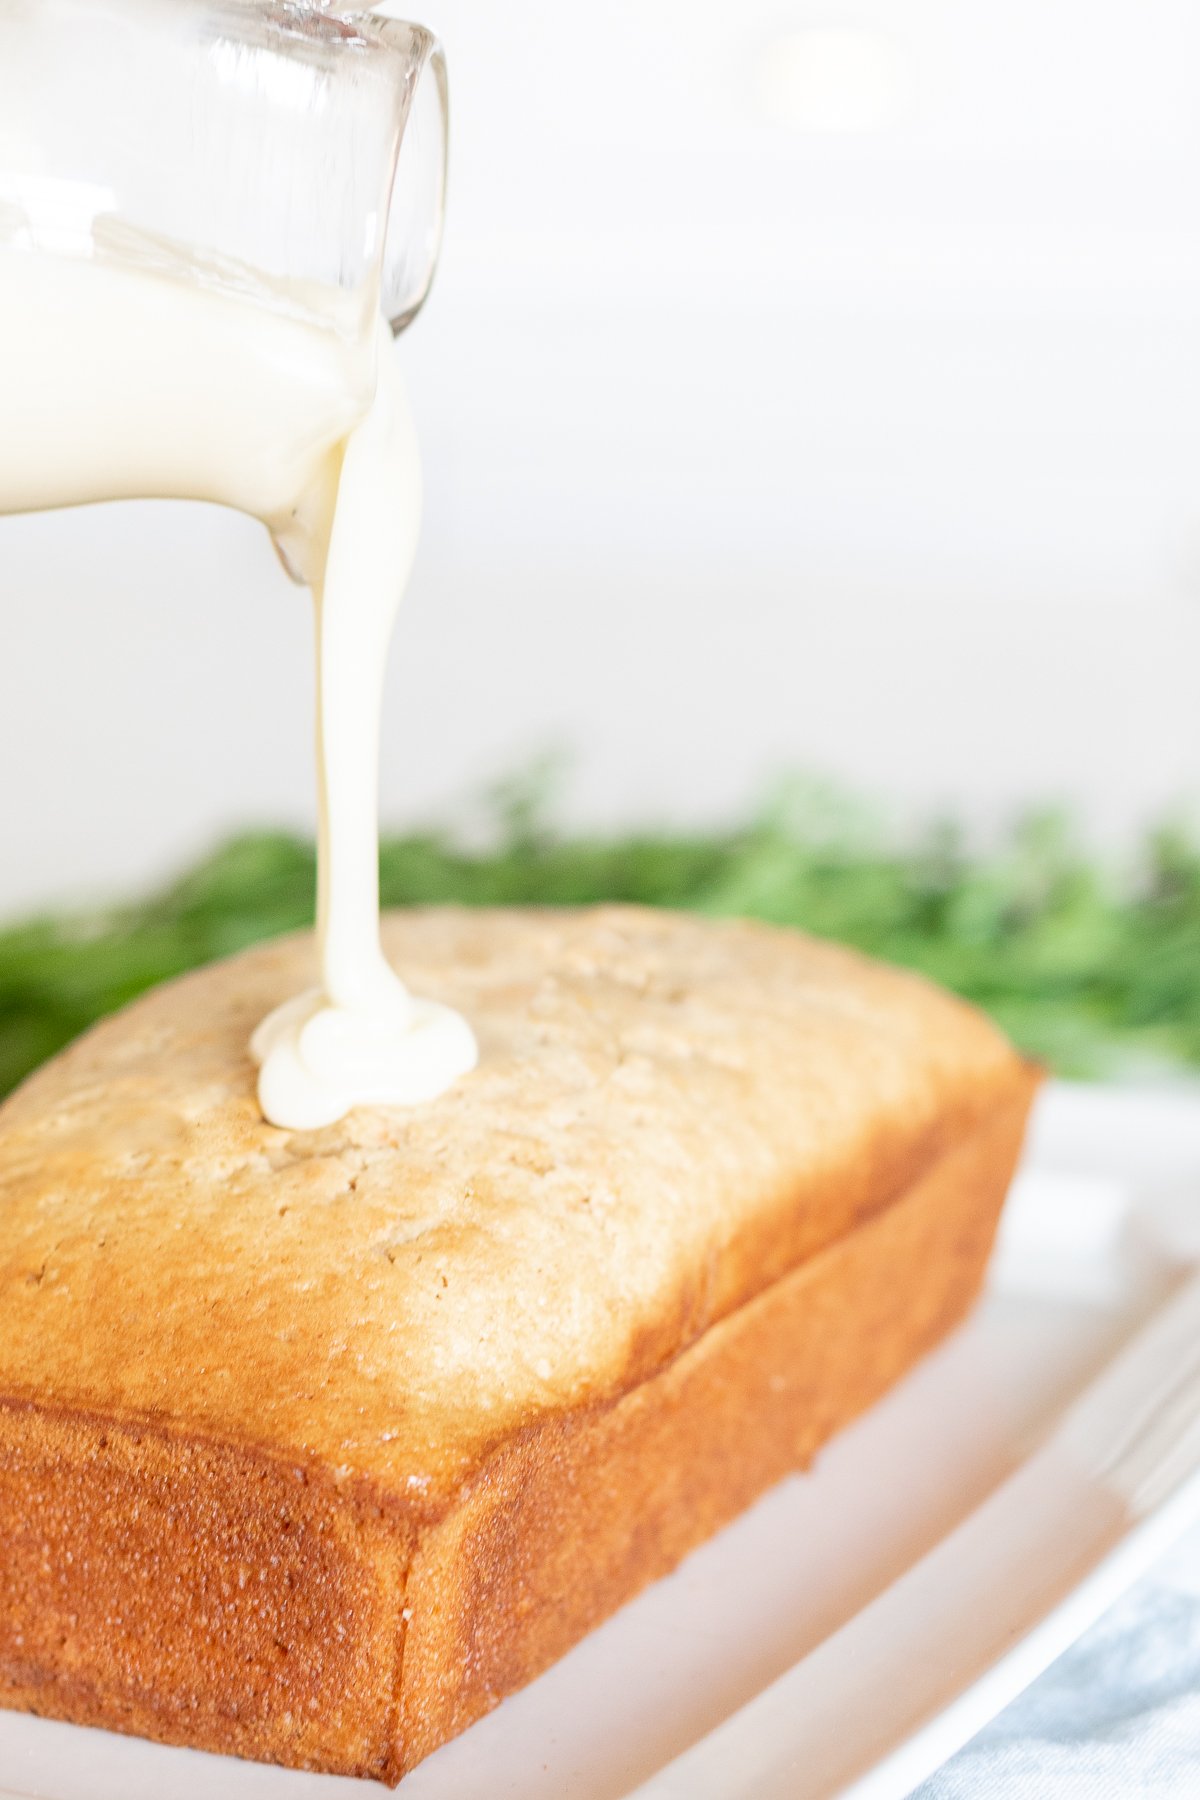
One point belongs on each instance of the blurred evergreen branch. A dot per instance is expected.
(1090, 970)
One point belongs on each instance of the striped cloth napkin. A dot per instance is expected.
(1116, 1718)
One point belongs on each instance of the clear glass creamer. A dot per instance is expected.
(261, 143)
(214, 217)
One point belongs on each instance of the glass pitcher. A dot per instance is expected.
(281, 167)
(268, 146)
(211, 211)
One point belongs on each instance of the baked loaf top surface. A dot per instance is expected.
(669, 1114)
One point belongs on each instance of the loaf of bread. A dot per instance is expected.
(312, 1447)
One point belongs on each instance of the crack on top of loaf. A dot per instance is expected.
(403, 1235)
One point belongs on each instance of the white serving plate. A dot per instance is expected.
(862, 1622)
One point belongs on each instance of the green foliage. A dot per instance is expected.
(1091, 972)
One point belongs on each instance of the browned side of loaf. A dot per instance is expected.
(574, 1519)
(197, 1594)
(208, 1595)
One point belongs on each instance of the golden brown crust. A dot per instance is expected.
(670, 1114)
(197, 1594)
(709, 1179)
(503, 1587)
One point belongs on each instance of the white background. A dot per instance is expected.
(804, 387)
